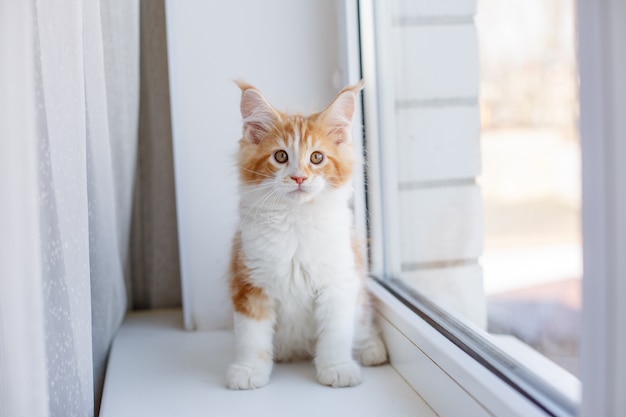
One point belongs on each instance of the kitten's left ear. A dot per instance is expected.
(338, 116)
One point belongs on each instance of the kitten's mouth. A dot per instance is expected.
(299, 190)
(299, 194)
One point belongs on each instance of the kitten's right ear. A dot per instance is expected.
(258, 114)
(338, 116)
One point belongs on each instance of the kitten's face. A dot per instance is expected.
(293, 157)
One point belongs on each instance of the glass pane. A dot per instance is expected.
(532, 261)
(480, 184)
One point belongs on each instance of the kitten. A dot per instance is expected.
(297, 274)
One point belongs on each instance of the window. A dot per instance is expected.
(435, 207)
(422, 332)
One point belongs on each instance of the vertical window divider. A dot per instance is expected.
(351, 73)
(381, 143)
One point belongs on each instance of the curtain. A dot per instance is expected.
(69, 105)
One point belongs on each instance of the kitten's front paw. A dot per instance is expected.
(372, 354)
(346, 374)
(246, 377)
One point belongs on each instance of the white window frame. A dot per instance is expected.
(602, 66)
(450, 380)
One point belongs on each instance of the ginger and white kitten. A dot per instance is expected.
(297, 274)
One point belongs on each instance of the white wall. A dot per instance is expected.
(290, 50)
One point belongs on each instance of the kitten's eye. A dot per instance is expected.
(280, 156)
(317, 157)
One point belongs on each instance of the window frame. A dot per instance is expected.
(422, 354)
(419, 352)
(602, 65)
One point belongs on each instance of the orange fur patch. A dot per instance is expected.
(359, 256)
(247, 299)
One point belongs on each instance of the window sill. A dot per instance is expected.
(158, 369)
(449, 380)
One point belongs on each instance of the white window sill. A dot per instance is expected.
(158, 369)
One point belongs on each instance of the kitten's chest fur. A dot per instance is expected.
(295, 248)
(294, 254)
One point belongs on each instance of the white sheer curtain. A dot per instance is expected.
(69, 81)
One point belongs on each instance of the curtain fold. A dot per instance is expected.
(111, 56)
(22, 340)
(64, 234)
(69, 77)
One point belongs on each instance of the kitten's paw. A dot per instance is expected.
(373, 353)
(241, 376)
(346, 374)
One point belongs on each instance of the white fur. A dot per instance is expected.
(299, 251)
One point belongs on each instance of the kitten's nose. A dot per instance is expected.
(298, 180)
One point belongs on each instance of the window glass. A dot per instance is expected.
(474, 187)
(530, 180)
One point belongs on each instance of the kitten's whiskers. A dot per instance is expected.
(257, 172)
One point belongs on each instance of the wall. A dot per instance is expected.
(288, 49)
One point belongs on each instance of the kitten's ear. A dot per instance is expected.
(258, 114)
(338, 116)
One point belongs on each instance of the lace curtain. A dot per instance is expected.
(69, 101)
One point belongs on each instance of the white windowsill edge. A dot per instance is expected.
(448, 379)
(156, 368)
